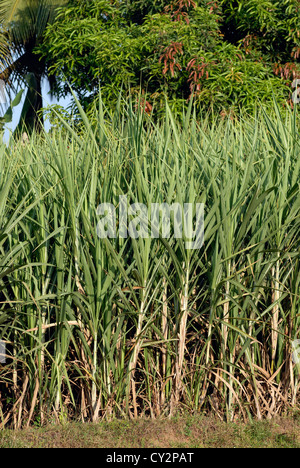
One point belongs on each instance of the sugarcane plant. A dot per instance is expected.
(124, 326)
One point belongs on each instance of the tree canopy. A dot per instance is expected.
(227, 54)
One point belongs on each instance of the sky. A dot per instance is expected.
(46, 102)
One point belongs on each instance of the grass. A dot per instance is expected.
(180, 432)
(103, 328)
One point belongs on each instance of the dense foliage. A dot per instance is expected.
(97, 328)
(226, 53)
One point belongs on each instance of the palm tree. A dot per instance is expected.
(23, 23)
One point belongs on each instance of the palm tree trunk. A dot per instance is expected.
(38, 117)
(31, 119)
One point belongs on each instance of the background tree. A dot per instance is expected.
(272, 27)
(23, 23)
(228, 54)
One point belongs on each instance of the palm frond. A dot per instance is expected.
(9, 9)
(16, 69)
(23, 23)
(27, 19)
